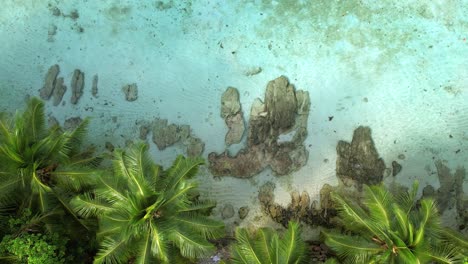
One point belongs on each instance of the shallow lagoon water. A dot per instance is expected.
(399, 68)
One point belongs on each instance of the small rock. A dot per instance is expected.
(131, 92)
(401, 156)
(109, 146)
(228, 211)
(396, 168)
(243, 212)
(49, 84)
(77, 85)
(253, 71)
(72, 123)
(59, 91)
(195, 147)
(94, 89)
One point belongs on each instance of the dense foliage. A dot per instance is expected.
(265, 246)
(390, 228)
(147, 214)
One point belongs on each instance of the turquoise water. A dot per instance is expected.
(399, 67)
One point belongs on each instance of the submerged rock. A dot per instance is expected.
(49, 83)
(59, 91)
(281, 113)
(232, 113)
(228, 211)
(77, 85)
(359, 160)
(131, 92)
(301, 208)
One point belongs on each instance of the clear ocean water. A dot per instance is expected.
(398, 67)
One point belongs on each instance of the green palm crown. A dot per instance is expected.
(393, 228)
(146, 214)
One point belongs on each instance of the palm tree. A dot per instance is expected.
(266, 247)
(391, 228)
(41, 168)
(148, 215)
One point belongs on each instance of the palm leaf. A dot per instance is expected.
(355, 217)
(87, 206)
(378, 201)
(347, 246)
(34, 119)
(112, 252)
(182, 168)
(159, 245)
(209, 228)
(143, 250)
(125, 166)
(244, 250)
(191, 244)
(292, 248)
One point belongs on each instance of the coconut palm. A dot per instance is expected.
(146, 214)
(41, 168)
(265, 246)
(389, 228)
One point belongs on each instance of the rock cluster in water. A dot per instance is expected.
(165, 135)
(283, 114)
(358, 162)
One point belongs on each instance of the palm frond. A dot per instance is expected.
(378, 201)
(159, 242)
(143, 250)
(348, 246)
(292, 247)
(112, 252)
(191, 244)
(182, 168)
(355, 217)
(209, 228)
(244, 250)
(86, 205)
(34, 118)
(126, 165)
(198, 206)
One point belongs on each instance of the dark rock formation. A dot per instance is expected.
(59, 91)
(131, 92)
(77, 85)
(243, 212)
(359, 161)
(94, 87)
(165, 135)
(300, 208)
(396, 168)
(49, 83)
(72, 123)
(284, 113)
(232, 114)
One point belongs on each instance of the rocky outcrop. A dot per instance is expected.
(450, 194)
(77, 85)
(59, 91)
(94, 87)
(358, 162)
(49, 83)
(283, 115)
(131, 92)
(232, 113)
(165, 135)
(301, 208)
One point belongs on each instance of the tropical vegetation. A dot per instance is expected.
(265, 246)
(149, 215)
(41, 169)
(393, 228)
